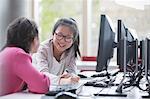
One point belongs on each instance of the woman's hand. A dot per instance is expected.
(67, 78)
(75, 78)
(65, 75)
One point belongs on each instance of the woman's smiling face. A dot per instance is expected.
(63, 38)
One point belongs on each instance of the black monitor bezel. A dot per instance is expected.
(105, 54)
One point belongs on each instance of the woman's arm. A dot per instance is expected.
(40, 59)
(41, 62)
(71, 67)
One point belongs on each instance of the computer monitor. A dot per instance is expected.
(131, 48)
(132, 56)
(146, 61)
(106, 43)
(142, 54)
(147, 57)
(140, 49)
(121, 34)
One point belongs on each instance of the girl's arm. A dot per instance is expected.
(36, 81)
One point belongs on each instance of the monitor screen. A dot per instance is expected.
(106, 43)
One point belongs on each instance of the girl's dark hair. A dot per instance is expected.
(71, 23)
(21, 33)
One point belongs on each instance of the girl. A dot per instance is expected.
(16, 69)
(57, 55)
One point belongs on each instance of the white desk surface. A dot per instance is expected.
(22, 95)
(86, 93)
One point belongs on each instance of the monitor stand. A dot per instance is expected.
(119, 88)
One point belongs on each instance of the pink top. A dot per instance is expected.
(16, 69)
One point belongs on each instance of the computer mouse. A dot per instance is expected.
(90, 83)
(66, 95)
(100, 84)
(82, 76)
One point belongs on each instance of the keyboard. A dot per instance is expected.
(104, 73)
(100, 75)
(101, 82)
(73, 88)
(109, 94)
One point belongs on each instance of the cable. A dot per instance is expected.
(99, 92)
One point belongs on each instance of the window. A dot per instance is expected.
(134, 14)
(87, 13)
(51, 10)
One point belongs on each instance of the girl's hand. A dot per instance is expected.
(65, 75)
(75, 78)
(68, 78)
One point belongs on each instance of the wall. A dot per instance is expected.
(9, 10)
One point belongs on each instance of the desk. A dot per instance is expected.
(22, 95)
(86, 93)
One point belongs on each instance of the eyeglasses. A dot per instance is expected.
(59, 36)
